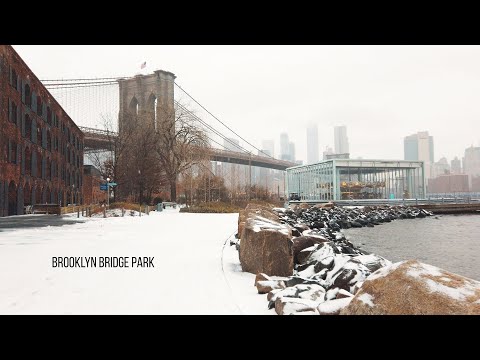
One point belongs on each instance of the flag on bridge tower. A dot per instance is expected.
(144, 65)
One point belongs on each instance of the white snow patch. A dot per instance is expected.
(459, 293)
(187, 277)
(445, 279)
(384, 271)
(366, 299)
(333, 306)
(260, 223)
(424, 269)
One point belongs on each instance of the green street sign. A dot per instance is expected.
(112, 184)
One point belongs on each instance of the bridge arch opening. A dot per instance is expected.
(133, 107)
(152, 108)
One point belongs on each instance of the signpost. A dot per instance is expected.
(106, 187)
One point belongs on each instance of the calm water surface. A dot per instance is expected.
(451, 242)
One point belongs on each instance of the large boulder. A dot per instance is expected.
(266, 247)
(413, 288)
(255, 209)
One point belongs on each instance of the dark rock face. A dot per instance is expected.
(266, 247)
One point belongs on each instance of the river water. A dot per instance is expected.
(451, 242)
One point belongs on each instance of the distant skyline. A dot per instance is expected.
(381, 93)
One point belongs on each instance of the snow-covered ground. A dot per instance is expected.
(196, 270)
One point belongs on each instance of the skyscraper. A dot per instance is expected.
(419, 147)
(284, 148)
(341, 140)
(312, 144)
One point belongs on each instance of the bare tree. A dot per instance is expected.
(181, 144)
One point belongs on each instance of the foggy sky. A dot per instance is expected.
(381, 93)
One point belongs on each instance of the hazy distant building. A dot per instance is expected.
(312, 144)
(291, 151)
(284, 148)
(441, 167)
(341, 140)
(419, 147)
(328, 151)
(471, 165)
(456, 166)
(448, 184)
(269, 145)
(229, 144)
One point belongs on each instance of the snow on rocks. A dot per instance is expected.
(413, 288)
(333, 307)
(266, 246)
(266, 286)
(321, 265)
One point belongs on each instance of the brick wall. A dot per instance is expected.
(41, 148)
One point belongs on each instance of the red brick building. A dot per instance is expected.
(91, 186)
(41, 148)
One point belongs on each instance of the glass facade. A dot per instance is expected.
(344, 179)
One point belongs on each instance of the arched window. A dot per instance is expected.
(13, 152)
(49, 115)
(13, 115)
(39, 106)
(39, 135)
(28, 161)
(39, 164)
(28, 127)
(49, 141)
(28, 98)
(14, 79)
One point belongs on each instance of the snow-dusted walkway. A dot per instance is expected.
(193, 273)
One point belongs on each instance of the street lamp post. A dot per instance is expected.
(108, 193)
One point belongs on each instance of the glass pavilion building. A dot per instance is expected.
(348, 179)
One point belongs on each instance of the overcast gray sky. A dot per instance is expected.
(381, 93)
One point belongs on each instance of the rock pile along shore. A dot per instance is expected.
(307, 266)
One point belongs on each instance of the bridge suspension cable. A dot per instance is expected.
(191, 97)
(78, 83)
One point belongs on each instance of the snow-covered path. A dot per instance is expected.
(193, 273)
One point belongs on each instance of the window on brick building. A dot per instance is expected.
(39, 164)
(12, 151)
(13, 113)
(49, 141)
(28, 161)
(14, 79)
(39, 106)
(28, 95)
(39, 135)
(49, 115)
(28, 127)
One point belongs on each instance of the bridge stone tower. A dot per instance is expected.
(149, 95)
